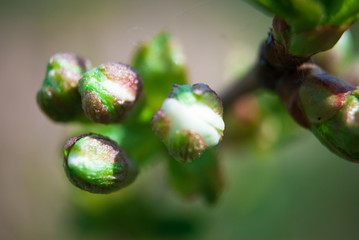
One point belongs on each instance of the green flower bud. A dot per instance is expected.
(58, 97)
(189, 121)
(97, 164)
(109, 91)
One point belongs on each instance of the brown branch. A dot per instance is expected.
(246, 84)
(273, 63)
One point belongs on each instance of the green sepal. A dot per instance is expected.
(200, 178)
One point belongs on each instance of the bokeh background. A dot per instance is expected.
(296, 190)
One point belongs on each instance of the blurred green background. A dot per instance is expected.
(298, 190)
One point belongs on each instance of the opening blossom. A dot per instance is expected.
(189, 121)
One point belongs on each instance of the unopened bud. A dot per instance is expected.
(109, 91)
(189, 121)
(97, 164)
(58, 97)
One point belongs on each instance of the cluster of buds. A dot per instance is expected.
(105, 94)
(189, 121)
(97, 164)
(58, 96)
(325, 105)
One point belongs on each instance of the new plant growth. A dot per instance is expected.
(149, 111)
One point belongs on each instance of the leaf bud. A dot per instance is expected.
(97, 164)
(189, 121)
(327, 106)
(341, 133)
(109, 91)
(58, 97)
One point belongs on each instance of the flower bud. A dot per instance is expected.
(189, 121)
(109, 91)
(58, 97)
(96, 164)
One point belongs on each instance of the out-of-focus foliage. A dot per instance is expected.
(202, 177)
(160, 63)
(260, 122)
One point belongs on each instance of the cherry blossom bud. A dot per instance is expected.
(97, 164)
(189, 121)
(109, 91)
(58, 97)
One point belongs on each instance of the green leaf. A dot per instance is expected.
(200, 178)
(160, 64)
(346, 14)
(308, 14)
(314, 25)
